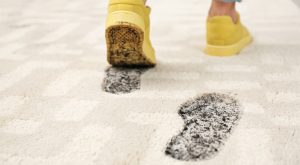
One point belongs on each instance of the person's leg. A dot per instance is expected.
(225, 35)
(223, 7)
(127, 34)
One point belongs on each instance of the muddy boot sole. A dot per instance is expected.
(125, 46)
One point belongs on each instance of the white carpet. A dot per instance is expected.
(52, 64)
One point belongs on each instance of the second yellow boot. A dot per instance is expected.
(127, 34)
(225, 37)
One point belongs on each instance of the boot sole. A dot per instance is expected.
(125, 46)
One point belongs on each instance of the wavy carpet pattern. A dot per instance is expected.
(53, 110)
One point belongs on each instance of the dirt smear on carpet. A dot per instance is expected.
(208, 121)
(121, 80)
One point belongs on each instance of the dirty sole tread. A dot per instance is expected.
(125, 46)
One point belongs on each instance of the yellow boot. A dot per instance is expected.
(127, 34)
(224, 37)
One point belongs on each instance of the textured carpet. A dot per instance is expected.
(53, 110)
(297, 2)
(120, 80)
(208, 121)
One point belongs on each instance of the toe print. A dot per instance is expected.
(208, 121)
(120, 80)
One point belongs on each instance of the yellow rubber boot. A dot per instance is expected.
(127, 34)
(224, 37)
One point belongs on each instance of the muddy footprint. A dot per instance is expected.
(208, 122)
(120, 80)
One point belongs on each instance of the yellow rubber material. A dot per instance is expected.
(228, 50)
(225, 37)
(127, 36)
